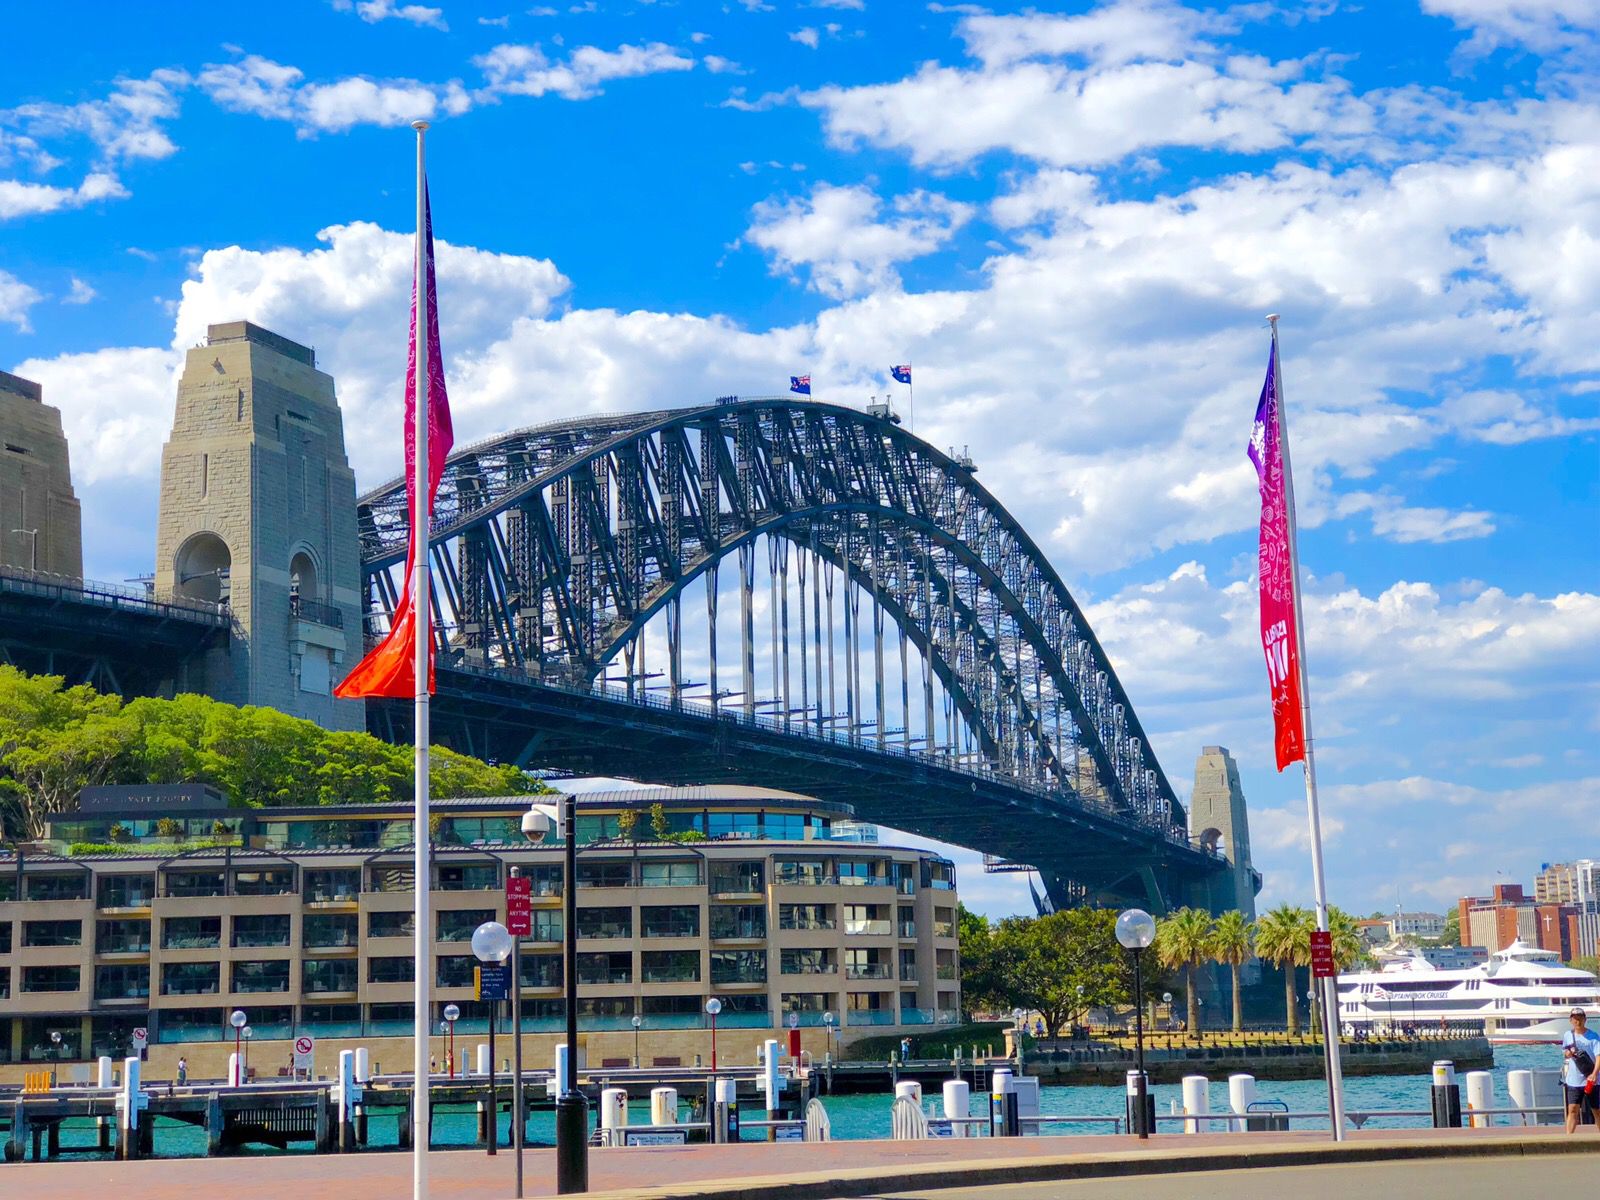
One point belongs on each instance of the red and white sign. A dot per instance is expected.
(303, 1048)
(141, 1037)
(519, 906)
(1322, 955)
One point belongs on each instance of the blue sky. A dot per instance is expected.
(1070, 218)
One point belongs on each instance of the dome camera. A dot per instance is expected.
(537, 824)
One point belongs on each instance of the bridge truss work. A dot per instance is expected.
(898, 639)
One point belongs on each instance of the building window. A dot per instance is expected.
(322, 887)
(739, 966)
(867, 919)
(73, 886)
(269, 976)
(867, 1001)
(5, 937)
(458, 924)
(455, 970)
(195, 883)
(544, 879)
(332, 1020)
(944, 923)
(328, 975)
(541, 970)
(606, 873)
(669, 874)
(5, 983)
(906, 918)
(605, 968)
(191, 933)
(669, 920)
(863, 871)
(607, 1006)
(391, 924)
(278, 882)
(192, 1024)
(739, 921)
(476, 831)
(733, 824)
(190, 979)
(469, 877)
(391, 879)
(546, 926)
(328, 930)
(261, 929)
(673, 1006)
(391, 970)
(605, 922)
(908, 967)
(805, 916)
(737, 878)
(125, 891)
(390, 1018)
(52, 933)
(670, 966)
(50, 979)
(803, 871)
(808, 961)
(119, 937)
(807, 1002)
(865, 964)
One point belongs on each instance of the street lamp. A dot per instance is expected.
(713, 1007)
(452, 1014)
(827, 1022)
(491, 944)
(55, 1042)
(244, 1067)
(238, 1020)
(1166, 998)
(572, 1145)
(1135, 931)
(444, 1053)
(637, 1021)
(34, 555)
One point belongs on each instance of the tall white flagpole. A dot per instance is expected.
(422, 616)
(1327, 988)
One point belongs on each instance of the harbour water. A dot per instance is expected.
(867, 1116)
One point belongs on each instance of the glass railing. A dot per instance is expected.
(867, 971)
(124, 943)
(261, 985)
(819, 923)
(738, 977)
(197, 1033)
(342, 940)
(908, 973)
(908, 929)
(246, 938)
(945, 971)
(332, 1029)
(196, 941)
(810, 969)
(870, 928)
(870, 1016)
(865, 881)
(678, 930)
(746, 931)
(944, 929)
(908, 887)
(394, 1028)
(915, 1016)
(671, 975)
(592, 975)
(189, 989)
(606, 930)
(806, 880)
(127, 991)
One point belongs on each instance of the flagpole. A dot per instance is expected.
(422, 618)
(1327, 988)
(911, 398)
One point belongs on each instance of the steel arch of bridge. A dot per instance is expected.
(554, 546)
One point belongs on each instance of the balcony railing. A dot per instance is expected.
(191, 941)
(260, 938)
(738, 976)
(810, 968)
(603, 975)
(908, 972)
(740, 930)
(316, 612)
(678, 929)
(805, 880)
(671, 975)
(605, 929)
(124, 943)
(867, 971)
(804, 923)
(870, 928)
(945, 971)
(908, 929)
(944, 929)
(870, 1016)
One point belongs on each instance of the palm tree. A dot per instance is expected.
(1184, 940)
(1283, 936)
(1230, 943)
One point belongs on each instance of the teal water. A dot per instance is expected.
(867, 1116)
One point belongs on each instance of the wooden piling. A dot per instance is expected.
(17, 1145)
(215, 1123)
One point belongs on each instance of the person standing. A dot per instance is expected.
(183, 1070)
(1580, 1053)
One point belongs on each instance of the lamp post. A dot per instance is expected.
(1135, 931)
(452, 1014)
(238, 1020)
(33, 557)
(443, 1052)
(827, 1023)
(244, 1067)
(55, 1042)
(1166, 998)
(491, 944)
(713, 1007)
(637, 1021)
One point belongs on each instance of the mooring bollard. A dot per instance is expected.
(1196, 1102)
(1519, 1086)
(1241, 1095)
(349, 1094)
(128, 1116)
(957, 1105)
(105, 1077)
(1480, 1096)
(1002, 1105)
(363, 1075)
(771, 1083)
(663, 1106)
(235, 1071)
(483, 1059)
(1140, 1119)
(1446, 1096)
(725, 1111)
(614, 1113)
(910, 1089)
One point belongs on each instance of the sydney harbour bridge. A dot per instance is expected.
(768, 590)
(787, 593)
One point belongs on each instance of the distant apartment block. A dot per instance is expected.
(1509, 914)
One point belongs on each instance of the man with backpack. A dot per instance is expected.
(1580, 1050)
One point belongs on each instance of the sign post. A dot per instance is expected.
(304, 1048)
(519, 924)
(141, 1040)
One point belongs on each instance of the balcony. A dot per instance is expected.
(945, 971)
(804, 880)
(689, 974)
(316, 612)
(736, 976)
(810, 968)
(588, 975)
(908, 972)
(869, 1016)
(944, 929)
(869, 928)
(908, 929)
(867, 971)
(807, 924)
(124, 943)
(739, 931)
(261, 937)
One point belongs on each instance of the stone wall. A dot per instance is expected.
(36, 493)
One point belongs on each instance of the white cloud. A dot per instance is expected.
(840, 236)
(1540, 25)
(16, 298)
(807, 36)
(520, 70)
(274, 90)
(80, 292)
(28, 199)
(373, 11)
(125, 126)
(1399, 522)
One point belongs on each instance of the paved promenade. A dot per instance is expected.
(789, 1171)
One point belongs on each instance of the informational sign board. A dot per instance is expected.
(519, 906)
(141, 1038)
(940, 1127)
(791, 1133)
(491, 981)
(304, 1046)
(1322, 954)
(794, 1043)
(654, 1137)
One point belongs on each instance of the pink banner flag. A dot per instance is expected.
(1278, 635)
(388, 670)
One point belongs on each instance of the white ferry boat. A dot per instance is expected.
(1521, 994)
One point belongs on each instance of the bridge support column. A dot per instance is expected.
(747, 629)
(214, 1125)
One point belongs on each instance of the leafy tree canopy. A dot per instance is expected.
(56, 740)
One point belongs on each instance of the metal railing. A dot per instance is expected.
(316, 612)
(111, 595)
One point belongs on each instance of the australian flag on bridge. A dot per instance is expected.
(801, 384)
(902, 374)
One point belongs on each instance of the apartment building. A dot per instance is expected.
(303, 918)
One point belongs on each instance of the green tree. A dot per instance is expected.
(55, 741)
(1452, 928)
(980, 981)
(1183, 939)
(168, 827)
(1283, 937)
(119, 833)
(1349, 947)
(658, 822)
(627, 824)
(1059, 964)
(1230, 944)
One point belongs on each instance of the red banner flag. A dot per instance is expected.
(1278, 634)
(387, 670)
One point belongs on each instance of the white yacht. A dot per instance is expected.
(1522, 994)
